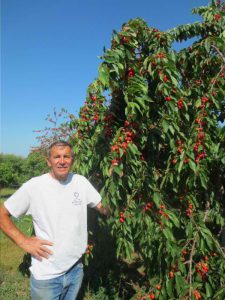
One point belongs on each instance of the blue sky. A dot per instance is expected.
(50, 54)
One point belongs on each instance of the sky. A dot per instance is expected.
(50, 53)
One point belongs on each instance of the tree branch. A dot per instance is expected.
(193, 251)
(219, 52)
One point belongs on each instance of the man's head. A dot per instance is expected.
(60, 159)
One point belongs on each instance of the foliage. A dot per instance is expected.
(10, 169)
(15, 170)
(34, 165)
(149, 137)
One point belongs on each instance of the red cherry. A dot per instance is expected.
(179, 150)
(168, 98)
(130, 72)
(165, 78)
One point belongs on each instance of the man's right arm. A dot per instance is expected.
(32, 245)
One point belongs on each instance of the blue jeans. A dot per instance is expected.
(64, 287)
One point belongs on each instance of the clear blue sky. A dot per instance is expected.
(50, 50)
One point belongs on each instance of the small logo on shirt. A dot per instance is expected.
(76, 199)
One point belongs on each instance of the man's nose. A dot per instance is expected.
(62, 160)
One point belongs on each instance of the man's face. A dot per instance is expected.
(60, 161)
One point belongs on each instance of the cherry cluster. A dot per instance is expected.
(127, 136)
(201, 122)
(202, 268)
(108, 122)
(189, 210)
(180, 148)
(162, 212)
(197, 295)
(180, 103)
(148, 206)
(89, 249)
(150, 296)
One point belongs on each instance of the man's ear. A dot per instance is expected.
(48, 163)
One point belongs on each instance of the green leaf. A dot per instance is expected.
(165, 126)
(133, 108)
(169, 288)
(192, 165)
(174, 218)
(203, 180)
(103, 74)
(189, 230)
(180, 283)
(171, 129)
(174, 80)
(118, 169)
(181, 266)
(157, 198)
(180, 165)
(133, 148)
(209, 291)
(207, 45)
(198, 103)
(187, 117)
(220, 294)
(168, 234)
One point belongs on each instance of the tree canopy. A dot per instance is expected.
(150, 138)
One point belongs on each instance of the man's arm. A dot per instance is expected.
(32, 245)
(103, 210)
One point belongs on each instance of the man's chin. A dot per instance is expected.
(62, 176)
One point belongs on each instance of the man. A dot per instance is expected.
(57, 202)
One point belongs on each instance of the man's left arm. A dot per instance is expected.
(103, 210)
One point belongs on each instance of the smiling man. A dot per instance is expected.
(57, 202)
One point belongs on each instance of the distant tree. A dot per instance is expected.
(10, 170)
(15, 170)
(34, 165)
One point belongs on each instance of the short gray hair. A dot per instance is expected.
(59, 143)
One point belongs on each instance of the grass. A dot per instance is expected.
(13, 285)
(6, 192)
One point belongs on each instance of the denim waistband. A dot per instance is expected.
(74, 265)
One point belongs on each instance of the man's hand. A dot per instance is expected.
(36, 247)
(33, 245)
(103, 210)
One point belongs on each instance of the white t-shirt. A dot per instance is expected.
(59, 213)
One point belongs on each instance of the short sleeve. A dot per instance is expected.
(92, 195)
(19, 203)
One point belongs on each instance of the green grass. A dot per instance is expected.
(13, 285)
(6, 192)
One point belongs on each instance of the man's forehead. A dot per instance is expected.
(59, 148)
